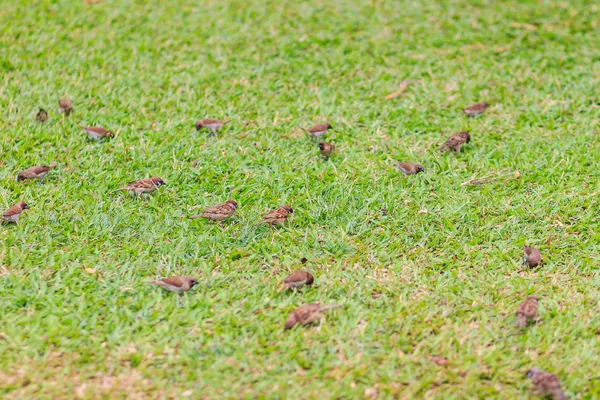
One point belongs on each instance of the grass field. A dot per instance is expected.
(438, 274)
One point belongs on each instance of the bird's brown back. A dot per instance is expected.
(299, 277)
(529, 307)
(319, 128)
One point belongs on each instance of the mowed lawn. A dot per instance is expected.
(424, 266)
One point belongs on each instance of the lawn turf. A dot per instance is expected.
(423, 265)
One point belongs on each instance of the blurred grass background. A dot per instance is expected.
(437, 273)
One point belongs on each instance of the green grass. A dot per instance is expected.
(439, 275)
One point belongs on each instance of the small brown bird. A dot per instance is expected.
(41, 116)
(296, 280)
(176, 284)
(97, 133)
(277, 216)
(219, 212)
(13, 213)
(65, 107)
(409, 168)
(476, 109)
(36, 172)
(213, 125)
(307, 314)
(318, 130)
(546, 384)
(326, 149)
(527, 311)
(531, 257)
(142, 186)
(456, 141)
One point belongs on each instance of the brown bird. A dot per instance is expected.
(277, 216)
(219, 212)
(409, 168)
(13, 213)
(318, 130)
(296, 280)
(213, 125)
(456, 141)
(97, 133)
(527, 311)
(65, 106)
(142, 186)
(531, 257)
(41, 116)
(546, 384)
(307, 314)
(176, 284)
(476, 109)
(36, 172)
(326, 149)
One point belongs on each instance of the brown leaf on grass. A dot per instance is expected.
(492, 177)
(402, 89)
(92, 1)
(529, 27)
(371, 393)
(90, 271)
(441, 361)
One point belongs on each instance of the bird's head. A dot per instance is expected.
(158, 182)
(232, 203)
(532, 372)
(288, 209)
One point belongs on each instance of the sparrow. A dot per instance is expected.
(456, 141)
(546, 384)
(176, 284)
(326, 149)
(527, 311)
(65, 106)
(213, 125)
(219, 212)
(318, 130)
(476, 109)
(13, 213)
(408, 168)
(277, 216)
(41, 116)
(307, 314)
(532, 256)
(296, 280)
(36, 172)
(97, 133)
(142, 186)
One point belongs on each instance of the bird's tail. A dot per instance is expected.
(559, 395)
(521, 321)
(116, 190)
(308, 132)
(283, 287)
(443, 147)
(196, 216)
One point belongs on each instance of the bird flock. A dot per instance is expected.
(545, 383)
